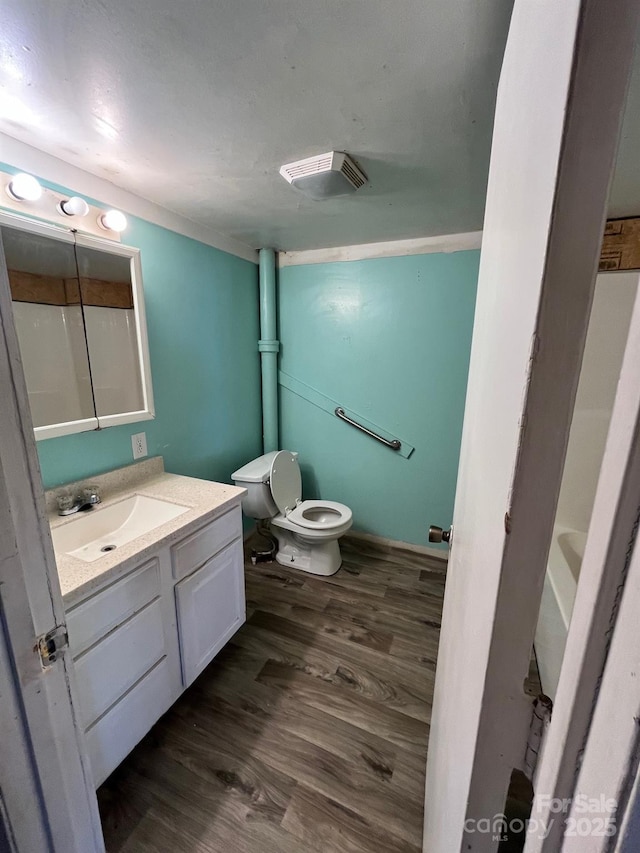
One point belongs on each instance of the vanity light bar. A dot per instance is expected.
(23, 193)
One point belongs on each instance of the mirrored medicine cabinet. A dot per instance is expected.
(78, 309)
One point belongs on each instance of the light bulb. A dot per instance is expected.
(23, 187)
(74, 206)
(112, 220)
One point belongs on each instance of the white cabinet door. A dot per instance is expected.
(211, 608)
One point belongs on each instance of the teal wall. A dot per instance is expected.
(202, 318)
(390, 339)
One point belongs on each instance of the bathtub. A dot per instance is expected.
(560, 585)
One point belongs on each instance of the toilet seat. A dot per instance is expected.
(285, 481)
(309, 514)
(286, 488)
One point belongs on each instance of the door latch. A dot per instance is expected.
(52, 644)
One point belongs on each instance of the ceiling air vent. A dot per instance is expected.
(325, 176)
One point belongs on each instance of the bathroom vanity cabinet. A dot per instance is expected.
(141, 640)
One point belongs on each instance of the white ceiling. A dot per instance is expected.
(196, 104)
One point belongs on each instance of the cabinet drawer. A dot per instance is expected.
(113, 737)
(192, 552)
(101, 613)
(113, 665)
(211, 608)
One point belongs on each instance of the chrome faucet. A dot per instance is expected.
(87, 499)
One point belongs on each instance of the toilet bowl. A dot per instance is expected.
(307, 531)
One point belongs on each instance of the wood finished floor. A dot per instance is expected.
(309, 730)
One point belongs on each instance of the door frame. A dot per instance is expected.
(559, 110)
(46, 789)
(593, 734)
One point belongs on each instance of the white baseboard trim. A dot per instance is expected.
(390, 249)
(396, 543)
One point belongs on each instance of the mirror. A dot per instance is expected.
(79, 315)
(48, 318)
(109, 316)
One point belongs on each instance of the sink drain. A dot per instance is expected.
(108, 548)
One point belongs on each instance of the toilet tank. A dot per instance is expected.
(254, 477)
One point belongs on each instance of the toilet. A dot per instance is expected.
(307, 531)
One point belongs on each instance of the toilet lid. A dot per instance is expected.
(286, 482)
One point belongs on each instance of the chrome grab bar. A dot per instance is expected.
(395, 444)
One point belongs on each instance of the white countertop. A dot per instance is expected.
(205, 500)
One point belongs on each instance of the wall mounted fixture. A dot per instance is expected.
(393, 443)
(113, 220)
(23, 187)
(325, 176)
(23, 194)
(74, 206)
(82, 297)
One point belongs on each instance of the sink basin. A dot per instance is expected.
(89, 536)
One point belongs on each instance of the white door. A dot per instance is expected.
(47, 801)
(560, 102)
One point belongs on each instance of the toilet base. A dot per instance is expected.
(321, 558)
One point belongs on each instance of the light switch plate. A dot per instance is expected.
(139, 444)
